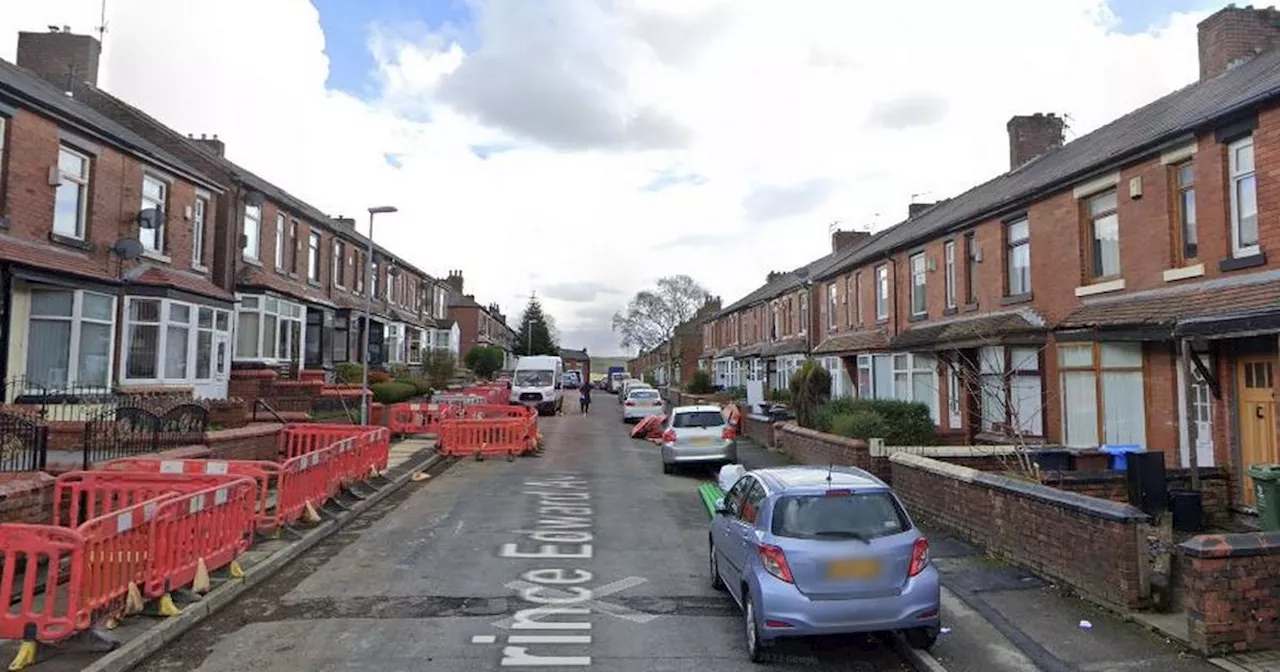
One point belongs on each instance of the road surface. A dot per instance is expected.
(444, 575)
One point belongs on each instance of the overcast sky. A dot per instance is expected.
(584, 148)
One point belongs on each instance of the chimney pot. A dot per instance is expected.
(1233, 35)
(1033, 135)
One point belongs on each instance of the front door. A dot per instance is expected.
(1257, 417)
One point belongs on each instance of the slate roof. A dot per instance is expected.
(857, 341)
(787, 282)
(52, 257)
(1173, 119)
(967, 332)
(184, 280)
(574, 355)
(1168, 307)
(27, 89)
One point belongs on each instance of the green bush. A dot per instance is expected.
(421, 386)
(860, 425)
(392, 392)
(701, 383)
(906, 423)
(778, 395)
(349, 372)
(810, 389)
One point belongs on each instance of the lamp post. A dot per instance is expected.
(368, 310)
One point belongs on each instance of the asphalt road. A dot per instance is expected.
(442, 576)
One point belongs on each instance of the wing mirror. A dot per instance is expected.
(721, 509)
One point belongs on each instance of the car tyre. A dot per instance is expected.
(755, 646)
(922, 638)
(717, 583)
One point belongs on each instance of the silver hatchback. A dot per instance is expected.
(697, 435)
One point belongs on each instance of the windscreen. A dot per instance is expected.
(698, 419)
(532, 378)
(865, 516)
(645, 395)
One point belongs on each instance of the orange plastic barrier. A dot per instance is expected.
(490, 436)
(420, 418)
(212, 524)
(81, 495)
(302, 438)
(266, 474)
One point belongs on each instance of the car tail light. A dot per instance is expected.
(669, 436)
(919, 556)
(631, 403)
(775, 562)
(728, 434)
(839, 493)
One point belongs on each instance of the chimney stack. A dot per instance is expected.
(847, 240)
(60, 57)
(347, 222)
(1233, 35)
(1033, 135)
(455, 281)
(916, 209)
(212, 145)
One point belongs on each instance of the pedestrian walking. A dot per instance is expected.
(585, 399)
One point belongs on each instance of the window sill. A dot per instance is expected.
(200, 268)
(314, 283)
(1015, 299)
(71, 242)
(881, 321)
(251, 261)
(918, 317)
(1100, 288)
(157, 256)
(970, 307)
(1175, 274)
(1240, 263)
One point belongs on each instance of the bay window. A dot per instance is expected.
(841, 385)
(395, 343)
(415, 345)
(788, 365)
(441, 339)
(900, 376)
(1010, 391)
(70, 337)
(341, 338)
(171, 341)
(268, 329)
(1102, 394)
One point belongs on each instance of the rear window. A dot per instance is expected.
(698, 419)
(644, 394)
(866, 515)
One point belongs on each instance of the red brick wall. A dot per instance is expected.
(1231, 589)
(1215, 487)
(254, 442)
(808, 446)
(1045, 530)
(26, 498)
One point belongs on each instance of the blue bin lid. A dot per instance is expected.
(1120, 449)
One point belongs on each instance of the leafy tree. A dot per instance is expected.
(654, 316)
(810, 389)
(439, 367)
(485, 360)
(535, 334)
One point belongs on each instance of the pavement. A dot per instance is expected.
(461, 572)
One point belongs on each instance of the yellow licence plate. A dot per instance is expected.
(853, 569)
(701, 441)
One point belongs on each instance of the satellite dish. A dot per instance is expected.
(254, 198)
(393, 271)
(150, 218)
(127, 248)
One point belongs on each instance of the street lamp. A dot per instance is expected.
(368, 310)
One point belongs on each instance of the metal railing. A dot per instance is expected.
(24, 443)
(126, 431)
(261, 403)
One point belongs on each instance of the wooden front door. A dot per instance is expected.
(1257, 417)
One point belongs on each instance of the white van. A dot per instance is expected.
(538, 382)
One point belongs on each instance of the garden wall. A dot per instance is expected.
(809, 446)
(1231, 589)
(1086, 543)
(1215, 488)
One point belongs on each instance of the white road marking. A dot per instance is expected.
(594, 604)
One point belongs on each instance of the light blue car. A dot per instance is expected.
(822, 551)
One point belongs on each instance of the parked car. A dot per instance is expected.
(697, 435)
(810, 550)
(628, 385)
(641, 403)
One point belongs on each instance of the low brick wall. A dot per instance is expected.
(26, 498)
(1231, 589)
(1087, 543)
(809, 446)
(259, 441)
(1215, 486)
(759, 429)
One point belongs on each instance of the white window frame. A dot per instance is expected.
(280, 258)
(891, 367)
(77, 319)
(919, 284)
(285, 311)
(949, 264)
(393, 342)
(313, 256)
(81, 182)
(373, 288)
(882, 292)
(413, 344)
(1011, 246)
(954, 406)
(833, 302)
(1007, 366)
(252, 229)
(1098, 369)
(199, 213)
(1096, 273)
(166, 322)
(1236, 179)
(161, 206)
(339, 255)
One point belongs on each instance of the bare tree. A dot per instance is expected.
(654, 316)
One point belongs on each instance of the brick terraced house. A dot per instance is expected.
(149, 259)
(1122, 288)
(477, 324)
(659, 361)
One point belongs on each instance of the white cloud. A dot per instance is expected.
(593, 100)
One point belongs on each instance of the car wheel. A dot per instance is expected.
(717, 583)
(755, 647)
(922, 638)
